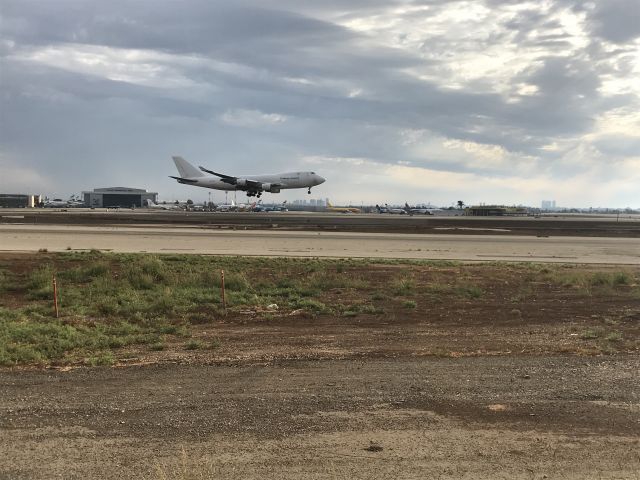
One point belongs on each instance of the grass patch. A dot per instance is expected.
(157, 346)
(193, 345)
(111, 301)
(102, 359)
(403, 285)
(591, 334)
(469, 291)
(614, 337)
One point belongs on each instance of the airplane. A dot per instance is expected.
(246, 207)
(277, 208)
(75, 202)
(227, 207)
(331, 208)
(254, 185)
(424, 210)
(164, 206)
(56, 203)
(392, 210)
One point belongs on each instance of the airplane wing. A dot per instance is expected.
(242, 183)
(225, 178)
(183, 180)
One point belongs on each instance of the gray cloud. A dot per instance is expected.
(617, 20)
(110, 90)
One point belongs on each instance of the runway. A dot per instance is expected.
(190, 240)
(560, 225)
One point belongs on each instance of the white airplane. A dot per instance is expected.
(425, 209)
(254, 185)
(162, 206)
(56, 203)
(392, 210)
(227, 207)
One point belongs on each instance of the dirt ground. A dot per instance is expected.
(484, 417)
(529, 381)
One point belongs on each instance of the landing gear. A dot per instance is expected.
(309, 191)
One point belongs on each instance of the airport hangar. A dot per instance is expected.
(118, 197)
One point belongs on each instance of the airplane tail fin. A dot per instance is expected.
(185, 169)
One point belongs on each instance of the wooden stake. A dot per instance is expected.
(224, 301)
(55, 296)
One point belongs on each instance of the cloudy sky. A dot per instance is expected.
(420, 101)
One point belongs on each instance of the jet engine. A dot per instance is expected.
(241, 182)
(268, 187)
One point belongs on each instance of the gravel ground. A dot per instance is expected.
(479, 417)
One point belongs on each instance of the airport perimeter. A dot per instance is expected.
(443, 348)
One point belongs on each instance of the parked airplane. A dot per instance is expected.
(73, 202)
(393, 210)
(246, 207)
(254, 185)
(424, 210)
(331, 208)
(163, 206)
(277, 208)
(226, 207)
(56, 203)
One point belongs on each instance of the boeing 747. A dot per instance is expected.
(254, 185)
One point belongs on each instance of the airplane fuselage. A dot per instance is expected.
(284, 181)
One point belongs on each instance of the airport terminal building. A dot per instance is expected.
(118, 197)
(17, 200)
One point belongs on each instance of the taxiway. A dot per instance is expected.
(156, 239)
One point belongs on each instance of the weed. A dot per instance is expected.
(157, 346)
(409, 304)
(469, 291)
(310, 305)
(614, 337)
(622, 278)
(591, 334)
(102, 359)
(403, 285)
(193, 345)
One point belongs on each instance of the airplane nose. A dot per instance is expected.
(320, 180)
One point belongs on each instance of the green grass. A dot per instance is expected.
(584, 280)
(591, 334)
(410, 304)
(111, 301)
(193, 345)
(404, 284)
(469, 291)
(614, 337)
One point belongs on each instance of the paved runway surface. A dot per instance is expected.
(321, 244)
(561, 225)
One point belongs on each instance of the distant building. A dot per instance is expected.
(118, 197)
(548, 205)
(495, 211)
(18, 200)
